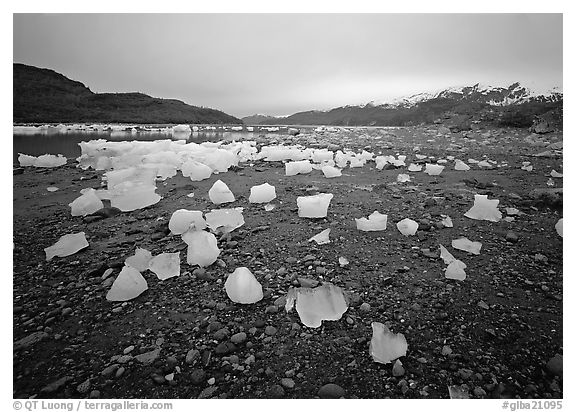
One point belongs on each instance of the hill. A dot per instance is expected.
(45, 96)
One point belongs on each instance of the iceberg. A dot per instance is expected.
(433, 170)
(375, 222)
(331, 171)
(314, 206)
(298, 167)
(386, 346)
(202, 248)
(263, 193)
(321, 238)
(315, 305)
(165, 265)
(128, 285)
(467, 245)
(184, 220)
(219, 193)
(484, 209)
(86, 204)
(407, 227)
(225, 220)
(140, 260)
(67, 245)
(242, 287)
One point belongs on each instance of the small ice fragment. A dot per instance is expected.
(407, 227)
(554, 173)
(242, 287)
(485, 163)
(433, 170)
(298, 167)
(325, 302)
(414, 167)
(447, 221)
(550, 182)
(52, 188)
(511, 211)
(269, 207)
(314, 206)
(527, 166)
(165, 265)
(342, 261)
(446, 256)
(263, 193)
(473, 161)
(386, 346)
(559, 227)
(467, 245)
(321, 238)
(86, 204)
(202, 248)
(460, 165)
(402, 178)
(128, 285)
(219, 193)
(140, 260)
(67, 245)
(484, 209)
(190, 195)
(375, 222)
(184, 220)
(455, 270)
(458, 392)
(225, 220)
(331, 171)
(420, 157)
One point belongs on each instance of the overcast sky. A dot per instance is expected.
(280, 64)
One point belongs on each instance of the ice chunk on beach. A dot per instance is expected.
(433, 170)
(554, 173)
(455, 270)
(314, 206)
(447, 221)
(184, 220)
(467, 245)
(46, 160)
(315, 305)
(219, 193)
(375, 222)
(137, 198)
(342, 261)
(140, 260)
(67, 245)
(225, 220)
(26, 160)
(242, 287)
(321, 238)
(407, 227)
(484, 209)
(165, 265)
(128, 285)
(263, 193)
(86, 204)
(196, 171)
(446, 256)
(52, 188)
(402, 178)
(460, 165)
(559, 227)
(202, 248)
(298, 167)
(330, 172)
(414, 167)
(385, 345)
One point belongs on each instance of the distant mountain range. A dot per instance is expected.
(45, 96)
(515, 105)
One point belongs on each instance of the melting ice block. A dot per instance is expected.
(455, 270)
(402, 178)
(225, 220)
(315, 305)
(407, 227)
(314, 206)
(219, 193)
(140, 260)
(414, 167)
(242, 287)
(263, 193)
(184, 220)
(67, 245)
(196, 171)
(433, 170)
(86, 204)
(298, 167)
(376, 221)
(321, 238)
(128, 285)
(202, 248)
(484, 209)
(467, 245)
(386, 346)
(460, 165)
(331, 171)
(559, 227)
(165, 265)
(446, 256)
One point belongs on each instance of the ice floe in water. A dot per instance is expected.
(321, 238)
(375, 222)
(467, 245)
(67, 245)
(183, 220)
(165, 265)
(242, 287)
(263, 193)
(433, 170)
(559, 227)
(128, 285)
(86, 204)
(220, 193)
(225, 220)
(314, 206)
(407, 227)
(484, 209)
(140, 260)
(202, 248)
(385, 345)
(325, 302)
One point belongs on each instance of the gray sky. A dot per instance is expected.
(280, 64)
